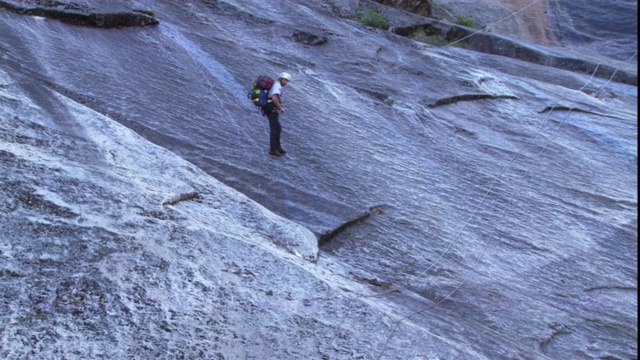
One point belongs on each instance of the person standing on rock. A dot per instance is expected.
(273, 110)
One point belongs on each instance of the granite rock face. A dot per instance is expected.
(469, 205)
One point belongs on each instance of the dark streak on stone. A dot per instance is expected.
(612, 287)
(558, 329)
(465, 132)
(374, 94)
(469, 97)
(374, 282)
(327, 236)
(306, 38)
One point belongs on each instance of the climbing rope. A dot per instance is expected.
(494, 23)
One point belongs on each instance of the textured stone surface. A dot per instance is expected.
(489, 203)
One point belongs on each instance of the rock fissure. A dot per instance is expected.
(558, 329)
(327, 236)
(611, 287)
(469, 97)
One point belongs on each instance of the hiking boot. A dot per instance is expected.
(282, 151)
(276, 153)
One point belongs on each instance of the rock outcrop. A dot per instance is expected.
(82, 15)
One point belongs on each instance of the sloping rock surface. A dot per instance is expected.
(469, 205)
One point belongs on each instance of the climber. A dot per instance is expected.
(273, 110)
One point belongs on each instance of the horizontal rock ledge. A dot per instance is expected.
(134, 18)
(484, 42)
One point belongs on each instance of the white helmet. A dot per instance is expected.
(285, 75)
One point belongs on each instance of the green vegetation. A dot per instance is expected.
(465, 21)
(373, 18)
(459, 45)
(419, 34)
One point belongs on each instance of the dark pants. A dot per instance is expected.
(274, 126)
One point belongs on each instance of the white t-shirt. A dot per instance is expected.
(276, 89)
